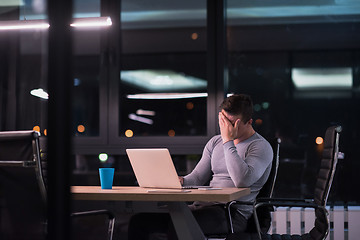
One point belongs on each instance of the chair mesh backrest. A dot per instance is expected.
(324, 180)
(268, 188)
(21, 187)
(266, 191)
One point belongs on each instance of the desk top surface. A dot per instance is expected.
(147, 194)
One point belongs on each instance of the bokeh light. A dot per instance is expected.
(129, 133)
(81, 128)
(189, 106)
(257, 107)
(171, 133)
(103, 157)
(319, 140)
(258, 121)
(265, 105)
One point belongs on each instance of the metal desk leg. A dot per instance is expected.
(184, 222)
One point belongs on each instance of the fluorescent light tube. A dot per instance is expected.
(322, 78)
(134, 117)
(151, 80)
(42, 24)
(166, 95)
(23, 24)
(145, 112)
(92, 22)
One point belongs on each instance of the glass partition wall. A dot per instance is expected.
(162, 89)
(300, 63)
(163, 82)
(155, 77)
(23, 67)
(157, 94)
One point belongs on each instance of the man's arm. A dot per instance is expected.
(202, 172)
(245, 171)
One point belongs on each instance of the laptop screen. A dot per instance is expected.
(154, 168)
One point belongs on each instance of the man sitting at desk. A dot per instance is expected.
(239, 157)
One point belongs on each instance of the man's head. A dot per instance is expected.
(238, 105)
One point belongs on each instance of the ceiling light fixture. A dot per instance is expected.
(134, 117)
(43, 24)
(166, 95)
(145, 112)
(322, 78)
(152, 80)
(92, 22)
(39, 93)
(23, 24)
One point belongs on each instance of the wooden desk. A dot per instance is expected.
(184, 222)
(142, 194)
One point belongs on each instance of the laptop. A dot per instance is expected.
(154, 168)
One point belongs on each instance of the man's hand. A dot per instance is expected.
(181, 179)
(227, 130)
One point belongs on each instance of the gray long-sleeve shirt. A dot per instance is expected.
(246, 164)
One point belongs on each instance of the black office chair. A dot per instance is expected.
(322, 189)
(23, 194)
(264, 213)
(266, 191)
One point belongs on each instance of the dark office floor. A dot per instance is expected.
(94, 228)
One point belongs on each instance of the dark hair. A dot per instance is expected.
(238, 104)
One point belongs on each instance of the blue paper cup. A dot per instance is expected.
(106, 177)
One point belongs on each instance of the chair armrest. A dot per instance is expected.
(110, 215)
(285, 202)
(18, 163)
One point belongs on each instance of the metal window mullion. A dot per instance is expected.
(216, 60)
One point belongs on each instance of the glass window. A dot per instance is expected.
(26, 101)
(86, 98)
(300, 65)
(23, 68)
(87, 72)
(163, 89)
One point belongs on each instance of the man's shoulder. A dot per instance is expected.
(257, 139)
(213, 143)
(216, 139)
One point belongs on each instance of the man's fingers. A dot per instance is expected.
(236, 125)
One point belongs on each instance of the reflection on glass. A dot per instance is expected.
(155, 93)
(163, 117)
(86, 70)
(295, 12)
(299, 63)
(322, 78)
(163, 74)
(85, 99)
(23, 68)
(161, 81)
(90, 164)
